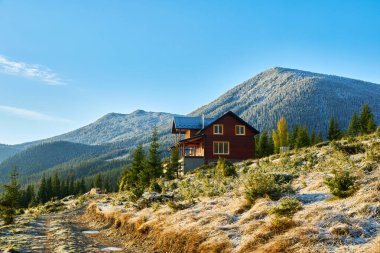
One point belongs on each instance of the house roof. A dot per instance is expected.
(196, 123)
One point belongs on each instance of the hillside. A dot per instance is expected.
(302, 97)
(47, 155)
(205, 212)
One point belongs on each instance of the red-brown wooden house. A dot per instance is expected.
(207, 139)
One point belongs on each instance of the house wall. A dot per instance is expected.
(190, 133)
(241, 146)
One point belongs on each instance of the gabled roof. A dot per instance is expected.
(195, 123)
(235, 116)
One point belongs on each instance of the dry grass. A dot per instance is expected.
(221, 220)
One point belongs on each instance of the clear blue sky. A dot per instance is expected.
(63, 64)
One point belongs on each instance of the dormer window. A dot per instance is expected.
(240, 130)
(218, 129)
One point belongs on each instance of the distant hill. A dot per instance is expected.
(302, 97)
(47, 155)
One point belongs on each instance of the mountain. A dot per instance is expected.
(302, 97)
(46, 155)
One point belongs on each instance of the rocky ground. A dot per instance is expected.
(63, 231)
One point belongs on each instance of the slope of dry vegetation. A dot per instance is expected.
(275, 204)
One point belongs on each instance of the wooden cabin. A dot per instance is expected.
(203, 140)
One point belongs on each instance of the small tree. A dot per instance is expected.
(42, 194)
(225, 168)
(99, 181)
(302, 139)
(334, 133)
(354, 126)
(367, 123)
(264, 145)
(313, 138)
(173, 167)
(280, 136)
(153, 165)
(342, 184)
(11, 199)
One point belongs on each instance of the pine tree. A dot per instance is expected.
(42, 191)
(313, 138)
(293, 137)
(99, 181)
(11, 199)
(302, 139)
(56, 186)
(49, 188)
(264, 146)
(173, 167)
(135, 175)
(319, 137)
(354, 126)
(82, 187)
(334, 133)
(154, 166)
(366, 119)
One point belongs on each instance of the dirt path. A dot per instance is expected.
(57, 232)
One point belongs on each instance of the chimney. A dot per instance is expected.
(203, 121)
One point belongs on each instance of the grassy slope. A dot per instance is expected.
(221, 221)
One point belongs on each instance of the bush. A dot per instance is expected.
(342, 184)
(225, 168)
(349, 149)
(287, 207)
(178, 206)
(261, 184)
(155, 187)
(279, 223)
(378, 131)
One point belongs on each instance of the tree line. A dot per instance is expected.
(301, 136)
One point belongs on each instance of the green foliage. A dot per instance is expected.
(354, 126)
(287, 207)
(378, 131)
(342, 184)
(154, 166)
(174, 166)
(261, 184)
(10, 201)
(178, 206)
(366, 118)
(334, 133)
(225, 168)
(155, 187)
(302, 138)
(264, 145)
(349, 149)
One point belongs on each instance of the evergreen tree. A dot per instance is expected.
(354, 126)
(42, 191)
(334, 133)
(99, 181)
(134, 178)
(313, 138)
(49, 188)
(56, 186)
(11, 199)
(153, 165)
(293, 137)
(173, 167)
(71, 187)
(366, 119)
(82, 186)
(302, 139)
(319, 137)
(264, 145)
(28, 197)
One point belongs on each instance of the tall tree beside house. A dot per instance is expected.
(280, 136)
(366, 119)
(264, 145)
(10, 201)
(154, 166)
(354, 126)
(173, 167)
(334, 133)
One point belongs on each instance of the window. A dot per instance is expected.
(221, 148)
(218, 129)
(240, 130)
